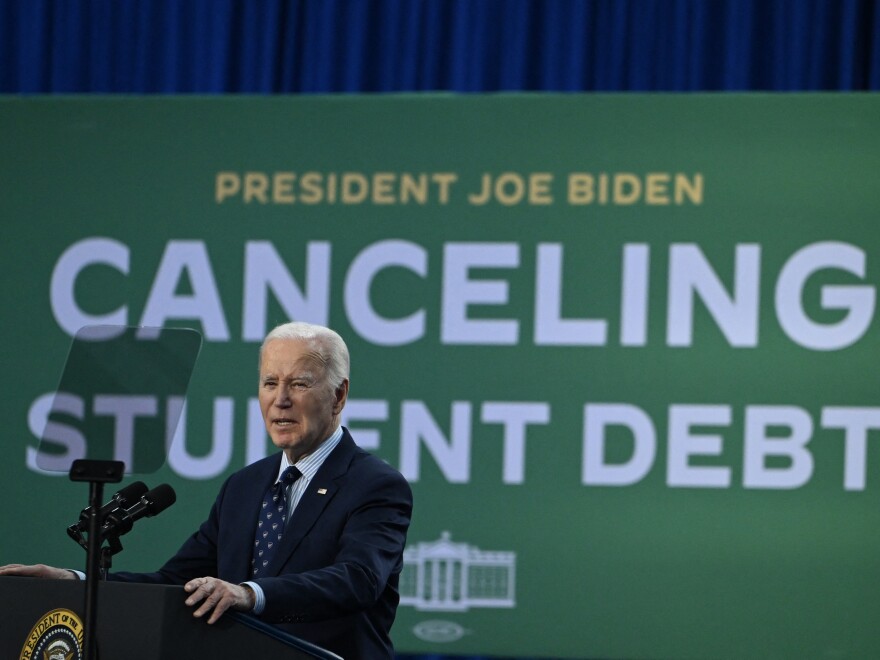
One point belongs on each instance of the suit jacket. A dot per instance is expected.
(333, 580)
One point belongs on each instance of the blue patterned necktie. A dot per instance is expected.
(273, 515)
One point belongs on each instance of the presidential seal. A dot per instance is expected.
(58, 635)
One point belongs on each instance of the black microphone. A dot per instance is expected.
(121, 499)
(154, 502)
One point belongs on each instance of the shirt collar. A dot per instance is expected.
(309, 465)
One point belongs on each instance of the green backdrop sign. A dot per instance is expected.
(624, 347)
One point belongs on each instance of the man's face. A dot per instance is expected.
(299, 407)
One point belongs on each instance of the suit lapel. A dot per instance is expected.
(317, 496)
(247, 512)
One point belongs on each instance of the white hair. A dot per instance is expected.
(328, 343)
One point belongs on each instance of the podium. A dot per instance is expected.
(143, 622)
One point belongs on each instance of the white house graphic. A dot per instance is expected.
(443, 576)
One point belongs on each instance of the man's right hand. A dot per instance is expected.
(37, 570)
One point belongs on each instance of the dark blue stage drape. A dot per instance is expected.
(293, 46)
(328, 46)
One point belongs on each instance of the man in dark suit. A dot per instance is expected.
(331, 567)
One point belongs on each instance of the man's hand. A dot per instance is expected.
(218, 596)
(37, 570)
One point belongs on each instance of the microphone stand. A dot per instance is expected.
(96, 473)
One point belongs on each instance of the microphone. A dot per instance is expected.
(121, 499)
(152, 503)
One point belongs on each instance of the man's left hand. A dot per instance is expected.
(217, 596)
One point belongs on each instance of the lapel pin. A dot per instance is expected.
(322, 491)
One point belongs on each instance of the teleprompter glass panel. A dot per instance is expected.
(119, 397)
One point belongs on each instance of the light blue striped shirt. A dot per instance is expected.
(308, 466)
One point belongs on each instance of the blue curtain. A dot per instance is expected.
(295, 46)
(330, 46)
